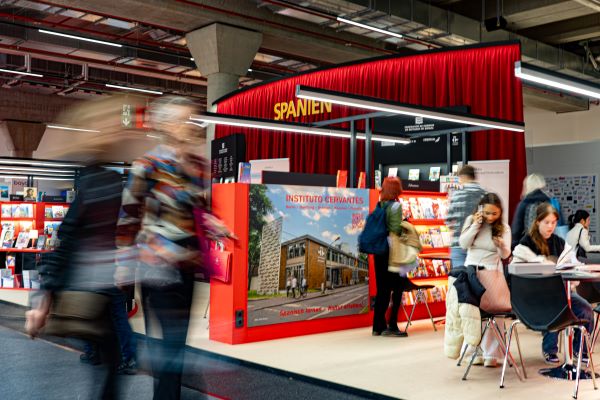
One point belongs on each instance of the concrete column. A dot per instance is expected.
(223, 53)
(22, 138)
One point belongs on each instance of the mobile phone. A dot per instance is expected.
(480, 209)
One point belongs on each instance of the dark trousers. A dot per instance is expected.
(118, 312)
(108, 349)
(388, 284)
(171, 305)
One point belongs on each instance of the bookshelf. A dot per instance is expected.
(20, 217)
(427, 212)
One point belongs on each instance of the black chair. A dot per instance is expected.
(540, 303)
(590, 291)
(421, 297)
(491, 327)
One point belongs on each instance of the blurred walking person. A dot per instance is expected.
(77, 280)
(157, 221)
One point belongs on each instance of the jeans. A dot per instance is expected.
(583, 310)
(171, 306)
(458, 255)
(118, 313)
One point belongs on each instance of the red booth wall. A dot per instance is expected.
(481, 77)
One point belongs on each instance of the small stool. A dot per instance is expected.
(420, 297)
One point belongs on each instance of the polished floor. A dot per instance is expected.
(406, 368)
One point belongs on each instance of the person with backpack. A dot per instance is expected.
(533, 196)
(462, 204)
(387, 217)
(579, 237)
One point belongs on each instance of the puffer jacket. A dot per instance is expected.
(463, 323)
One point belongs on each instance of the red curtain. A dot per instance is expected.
(480, 77)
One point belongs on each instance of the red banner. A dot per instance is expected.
(480, 77)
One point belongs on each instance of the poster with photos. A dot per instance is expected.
(574, 193)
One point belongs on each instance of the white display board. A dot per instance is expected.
(272, 164)
(493, 175)
(577, 192)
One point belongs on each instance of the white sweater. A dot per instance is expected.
(481, 249)
(584, 240)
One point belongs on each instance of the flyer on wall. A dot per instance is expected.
(303, 257)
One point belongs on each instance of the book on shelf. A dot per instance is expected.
(16, 197)
(362, 180)
(22, 240)
(424, 208)
(22, 210)
(51, 227)
(414, 174)
(11, 262)
(429, 268)
(446, 236)
(48, 212)
(393, 171)
(58, 212)
(436, 237)
(8, 233)
(6, 211)
(426, 205)
(244, 172)
(52, 241)
(378, 180)
(434, 174)
(415, 210)
(30, 194)
(41, 242)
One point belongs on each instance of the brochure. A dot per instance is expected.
(413, 174)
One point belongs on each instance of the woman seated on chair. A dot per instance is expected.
(579, 237)
(542, 245)
(487, 241)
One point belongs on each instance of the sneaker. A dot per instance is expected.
(394, 332)
(90, 358)
(375, 333)
(127, 367)
(478, 360)
(584, 360)
(551, 358)
(490, 362)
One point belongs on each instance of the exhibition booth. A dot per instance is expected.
(317, 145)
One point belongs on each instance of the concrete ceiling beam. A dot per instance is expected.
(573, 30)
(526, 14)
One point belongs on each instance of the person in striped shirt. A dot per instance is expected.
(462, 204)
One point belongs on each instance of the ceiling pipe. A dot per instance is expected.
(109, 66)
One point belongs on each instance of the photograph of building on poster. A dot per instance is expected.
(303, 258)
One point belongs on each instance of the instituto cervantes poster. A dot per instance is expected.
(303, 259)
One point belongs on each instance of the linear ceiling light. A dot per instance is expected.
(79, 38)
(134, 89)
(10, 71)
(233, 120)
(28, 169)
(370, 103)
(553, 79)
(68, 128)
(371, 28)
(38, 163)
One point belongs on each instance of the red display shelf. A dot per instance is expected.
(410, 193)
(17, 218)
(430, 250)
(53, 219)
(428, 222)
(442, 256)
(430, 280)
(15, 250)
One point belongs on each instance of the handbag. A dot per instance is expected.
(78, 314)
(496, 298)
(404, 248)
(219, 264)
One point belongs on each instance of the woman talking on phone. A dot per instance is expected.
(487, 242)
(539, 245)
